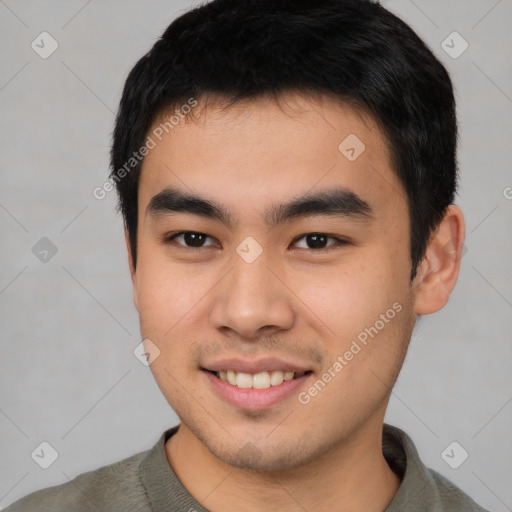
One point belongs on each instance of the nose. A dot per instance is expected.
(252, 300)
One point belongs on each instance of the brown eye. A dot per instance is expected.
(191, 239)
(319, 241)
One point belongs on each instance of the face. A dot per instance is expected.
(293, 256)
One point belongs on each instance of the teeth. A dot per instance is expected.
(244, 380)
(276, 378)
(231, 376)
(262, 380)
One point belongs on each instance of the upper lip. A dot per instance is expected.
(255, 366)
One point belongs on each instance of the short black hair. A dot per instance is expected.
(354, 50)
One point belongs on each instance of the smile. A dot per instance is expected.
(256, 391)
(261, 380)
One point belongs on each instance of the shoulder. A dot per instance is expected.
(422, 488)
(450, 497)
(115, 487)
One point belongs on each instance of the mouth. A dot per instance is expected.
(261, 380)
(256, 391)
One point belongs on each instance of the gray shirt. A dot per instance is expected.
(146, 482)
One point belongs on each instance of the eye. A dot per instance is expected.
(191, 239)
(318, 241)
(196, 240)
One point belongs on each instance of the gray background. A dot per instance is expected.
(68, 375)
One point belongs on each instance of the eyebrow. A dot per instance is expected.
(336, 202)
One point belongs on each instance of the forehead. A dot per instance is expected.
(255, 151)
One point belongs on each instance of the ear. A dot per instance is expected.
(132, 268)
(439, 269)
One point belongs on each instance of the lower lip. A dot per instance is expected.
(255, 399)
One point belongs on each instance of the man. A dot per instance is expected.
(286, 172)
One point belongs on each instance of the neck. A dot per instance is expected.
(352, 476)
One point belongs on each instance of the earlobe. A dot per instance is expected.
(132, 269)
(439, 269)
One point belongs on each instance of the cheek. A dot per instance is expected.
(169, 302)
(170, 306)
(166, 291)
(365, 307)
(349, 297)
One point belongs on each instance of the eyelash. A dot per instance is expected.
(338, 241)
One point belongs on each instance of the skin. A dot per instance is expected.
(294, 302)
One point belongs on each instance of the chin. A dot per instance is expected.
(265, 456)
